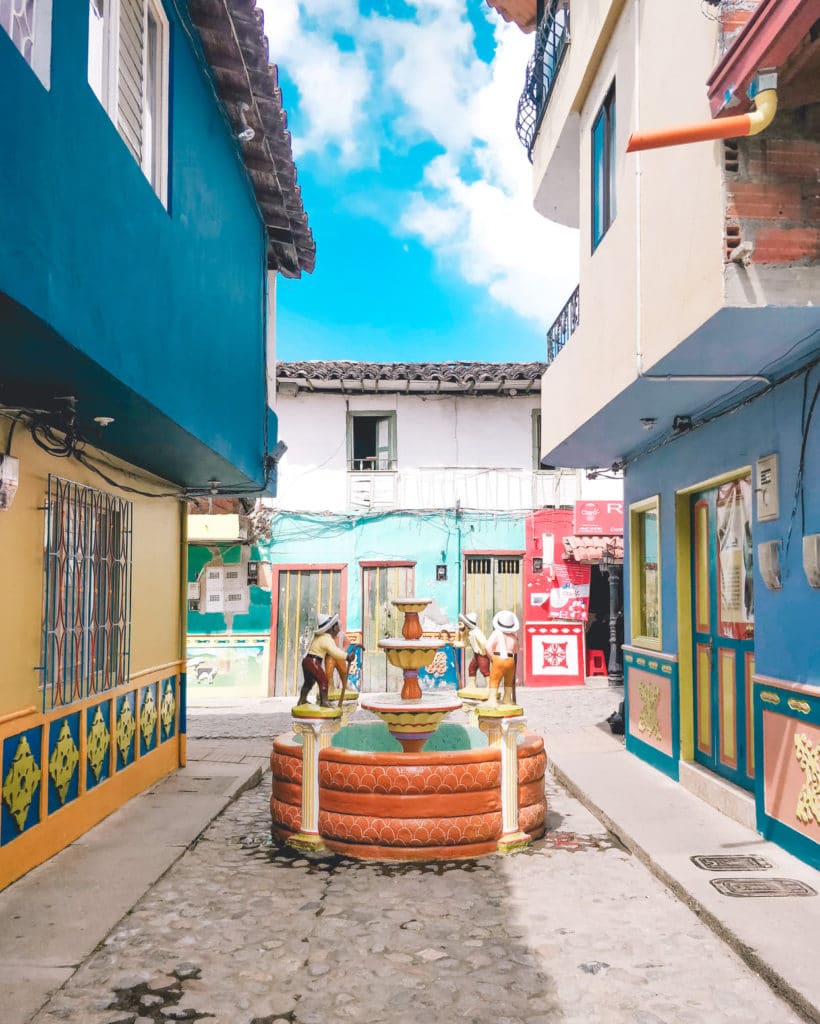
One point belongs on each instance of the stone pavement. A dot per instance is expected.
(241, 931)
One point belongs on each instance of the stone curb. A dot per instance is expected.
(773, 978)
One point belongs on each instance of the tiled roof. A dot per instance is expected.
(356, 377)
(591, 550)
(236, 47)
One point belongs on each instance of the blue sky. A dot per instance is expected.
(417, 190)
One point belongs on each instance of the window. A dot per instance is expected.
(87, 614)
(28, 24)
(645, 572)
(603, 168)
(128, 70)
(536, 442)
(371, 442)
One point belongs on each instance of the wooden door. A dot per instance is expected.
(723, 630)
(301, 596)
(380, 620)
(492, 582)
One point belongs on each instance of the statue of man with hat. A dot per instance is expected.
(502, 648)
(323, 645)
(478, 645)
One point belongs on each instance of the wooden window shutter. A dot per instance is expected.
(130, 92)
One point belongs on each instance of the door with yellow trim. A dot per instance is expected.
(380, 620)
(302, 594)
(723, 629)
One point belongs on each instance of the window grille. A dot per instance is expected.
(509, 566)
(483, 566)
(87, 607)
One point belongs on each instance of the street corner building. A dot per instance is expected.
(686, 152)
(148, 200)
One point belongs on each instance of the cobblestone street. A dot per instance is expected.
(575, 929)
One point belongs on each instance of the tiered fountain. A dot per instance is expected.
(353, 791)
(413, 716)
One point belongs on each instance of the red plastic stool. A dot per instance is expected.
(596, 664)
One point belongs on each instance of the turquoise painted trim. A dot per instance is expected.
(794, 842)
(652, 756)
(152, 314)
(655, 665)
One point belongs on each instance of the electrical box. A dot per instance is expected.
(9, 478)
(768, 559)
(766, 486)
(811, 559)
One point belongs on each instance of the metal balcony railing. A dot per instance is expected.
(551, 40)
(564, 326)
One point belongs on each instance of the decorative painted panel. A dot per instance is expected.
(555, 654)
(750, 720)
(787, 738)
(148, 718)
(652, 709)
(63, 761)
(704, 703)
(98, 744)
(701, 545)
(168, 709)
(125, 729)
(22, 777)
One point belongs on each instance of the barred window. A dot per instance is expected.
(87, 606)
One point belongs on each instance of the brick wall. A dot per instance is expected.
(773, 191)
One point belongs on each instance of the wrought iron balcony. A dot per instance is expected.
(551, 40)
(564, 326)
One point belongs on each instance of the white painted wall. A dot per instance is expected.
(474, 450)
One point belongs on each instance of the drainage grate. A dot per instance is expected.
(730, 862)
(761, 887)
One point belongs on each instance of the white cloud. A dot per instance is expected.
(423, 78)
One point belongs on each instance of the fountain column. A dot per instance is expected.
(316, 735)
(512, 838)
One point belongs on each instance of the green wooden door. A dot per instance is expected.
(723, 630)
(380, 620)
(302, 595)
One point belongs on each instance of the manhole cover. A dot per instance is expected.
(762, 887)
(730, 862)
(575, 841)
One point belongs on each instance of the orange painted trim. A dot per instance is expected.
(723, 128)
(703, 597)
(727, 673)
(749, 666)
(399, 759)
(68, 823)
(416, 805)
(14, 715)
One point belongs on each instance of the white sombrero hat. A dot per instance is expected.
(326, 623)
(469, 619)
(506, 621)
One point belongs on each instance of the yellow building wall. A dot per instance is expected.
(65, 769)
(156, 607)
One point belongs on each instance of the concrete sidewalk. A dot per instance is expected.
(55, 916)
(664, 826)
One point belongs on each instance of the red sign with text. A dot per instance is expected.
(604, 518)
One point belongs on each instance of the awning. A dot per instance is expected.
(594, 549)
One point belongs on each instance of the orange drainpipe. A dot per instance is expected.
(764, 91)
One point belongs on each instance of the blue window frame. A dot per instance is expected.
(603, 168)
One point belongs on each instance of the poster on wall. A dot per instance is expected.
(554, 588)
(735, 562)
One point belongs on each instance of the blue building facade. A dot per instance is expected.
(145, 209)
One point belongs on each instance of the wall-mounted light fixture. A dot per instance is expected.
(648, 422)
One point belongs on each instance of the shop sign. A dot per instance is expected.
(605, 518)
